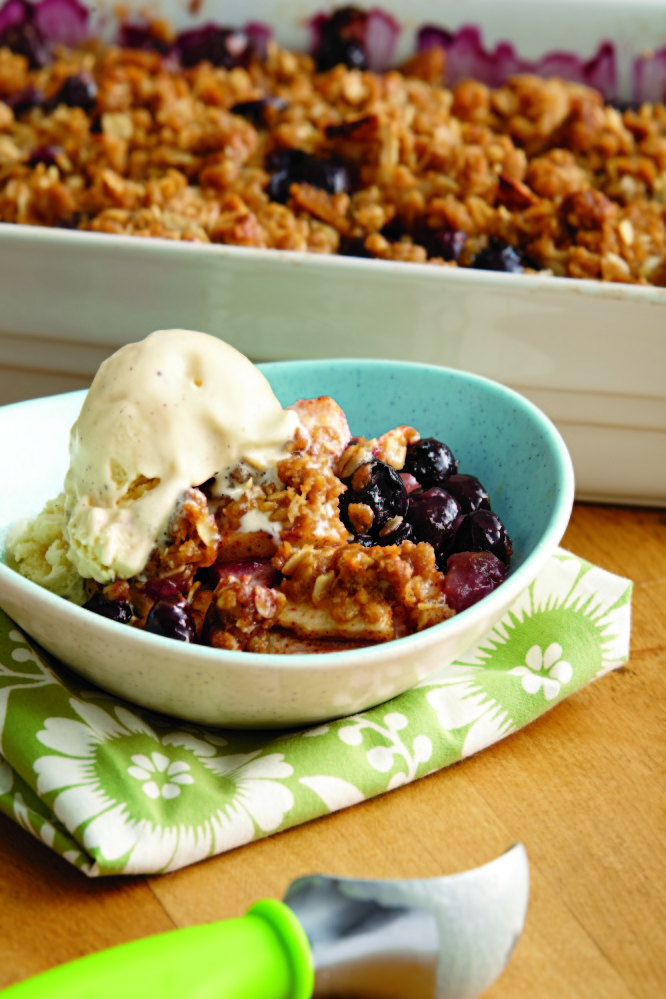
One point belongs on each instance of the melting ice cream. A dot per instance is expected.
(165, 414)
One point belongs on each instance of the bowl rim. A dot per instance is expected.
(54, 239)
(510, 589)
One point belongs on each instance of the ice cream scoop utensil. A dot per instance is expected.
(437, 938)
(440, 938)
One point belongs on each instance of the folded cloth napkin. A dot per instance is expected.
(116, 789)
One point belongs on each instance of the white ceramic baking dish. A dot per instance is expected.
(592, 355)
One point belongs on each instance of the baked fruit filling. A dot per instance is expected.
(358, 542)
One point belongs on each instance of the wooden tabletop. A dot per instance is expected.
(583, 788)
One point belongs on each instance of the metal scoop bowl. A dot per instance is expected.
(439, 938)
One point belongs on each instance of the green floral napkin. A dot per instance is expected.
(119, 790)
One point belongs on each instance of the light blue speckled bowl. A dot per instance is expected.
(496, 435)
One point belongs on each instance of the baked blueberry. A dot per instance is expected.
(432, 514)
(483, 531)
(219, 46)
(395, 532)
(430, 462)
(48, 155)
(471, 576)
(375, 495)
(354, 246)
(140, 36)
(341, 39)
(77, 91)
(255, 111)
(393, 230)
(328, 174)
(364, 540)
(293, 166)
(468, 492)
(171, 618)
(447, 243)
(498, 256)
(72, 221)
(161, 589)
(114, 610)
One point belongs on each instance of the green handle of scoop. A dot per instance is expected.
(264, 954)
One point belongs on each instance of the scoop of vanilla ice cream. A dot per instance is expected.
(161, 416)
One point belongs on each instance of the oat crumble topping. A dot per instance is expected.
(575, 187)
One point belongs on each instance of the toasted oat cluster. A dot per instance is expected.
(360, 542)
(536, 175)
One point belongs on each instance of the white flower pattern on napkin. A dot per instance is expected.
(237, 794)
(544, 669)
(383, 757)
(149, 771)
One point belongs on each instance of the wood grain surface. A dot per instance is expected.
(583, 788)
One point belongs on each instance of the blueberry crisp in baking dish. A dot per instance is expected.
(219, 135)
